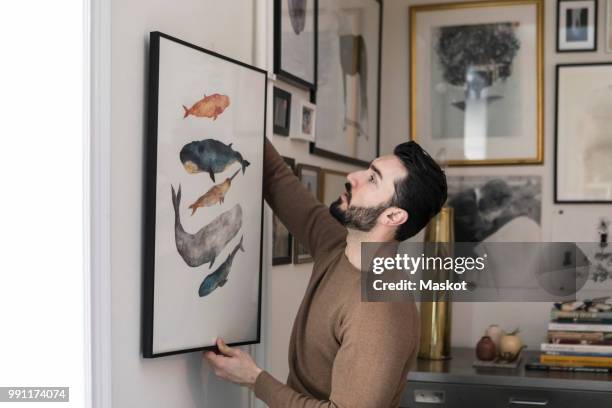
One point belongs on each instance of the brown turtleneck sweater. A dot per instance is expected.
(343, 352)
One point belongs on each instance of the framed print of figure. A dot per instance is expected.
(576, 25)
(476, 81)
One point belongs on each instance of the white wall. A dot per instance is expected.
(470, 320)
(227, 27)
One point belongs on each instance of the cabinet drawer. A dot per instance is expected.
(440, 395)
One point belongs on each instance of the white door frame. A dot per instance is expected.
(97, 238)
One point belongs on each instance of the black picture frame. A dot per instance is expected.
(287, 258)
(280, 68)
(297, 246)
(282, 95)
(557, 161)
(149, 228)
(339, 156)
(558, 28)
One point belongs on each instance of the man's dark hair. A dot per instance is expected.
(422, 193)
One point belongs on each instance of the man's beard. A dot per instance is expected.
(359, 218)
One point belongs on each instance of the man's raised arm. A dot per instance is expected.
(306, 218)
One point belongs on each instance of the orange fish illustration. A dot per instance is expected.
(216, 194)
(210, 106)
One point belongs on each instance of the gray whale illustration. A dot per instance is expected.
(219, 277)
(297, 13)
(210, 156)
(204, 246)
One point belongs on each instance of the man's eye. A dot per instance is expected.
(372, 179)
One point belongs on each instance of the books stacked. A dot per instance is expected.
(578, 340)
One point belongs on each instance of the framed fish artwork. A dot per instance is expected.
(295, 41)
(348, 80)
(204, 202)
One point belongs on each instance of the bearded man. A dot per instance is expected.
(343, 352)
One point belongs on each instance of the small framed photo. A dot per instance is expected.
(310, 177)
(282, 240)
(281, 111)
(583, 169)
(576, 25)
(306, 122)
(609, 26)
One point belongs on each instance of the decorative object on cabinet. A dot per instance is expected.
(204, 201)
(348, 82)
(476, 81)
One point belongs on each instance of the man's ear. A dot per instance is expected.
(394, 216)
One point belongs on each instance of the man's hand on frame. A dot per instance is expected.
(233, 365)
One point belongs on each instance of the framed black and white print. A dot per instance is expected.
(609, 26)
(348, 81)
(310, 176)
(576, 25)
(476, 81)
(281, 116)
(583, 141)
(295, 41)
(282, 239)
(204, 202)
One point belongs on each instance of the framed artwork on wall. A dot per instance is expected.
(281, 118)
(295, 41)
(204, 202)
(310, 177)
(476, 81)
(583, 145)
(576, 25)
(332, 185)
(348, 81)
(609, 26)
(307, 116)
(282, 240)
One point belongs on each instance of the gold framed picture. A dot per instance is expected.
(476, 81)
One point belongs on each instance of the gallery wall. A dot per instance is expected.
(183, 380)
(576, 223)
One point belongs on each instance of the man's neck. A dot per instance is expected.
(355, 238)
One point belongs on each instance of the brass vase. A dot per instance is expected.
(435, 342)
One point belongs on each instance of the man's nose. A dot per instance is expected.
(352, 178)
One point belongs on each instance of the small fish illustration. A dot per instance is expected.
(204, 246)
(219, 277)
(210, 106)
(216, 194)
(210, 156)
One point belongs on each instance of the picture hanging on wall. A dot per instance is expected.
(609, 26)
(476, 81)
(333, 184)
(307, 116)
(295, 41)
(348, 81)
(576, 25)
(496, 209)
(310, 177)
(204, 199)
(281, 117)
(282, 240)
(583, 146)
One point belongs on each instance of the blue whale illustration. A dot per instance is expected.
(204, 246)
(219, 277)
(210, 156)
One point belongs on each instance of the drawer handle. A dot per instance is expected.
(518, 401)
